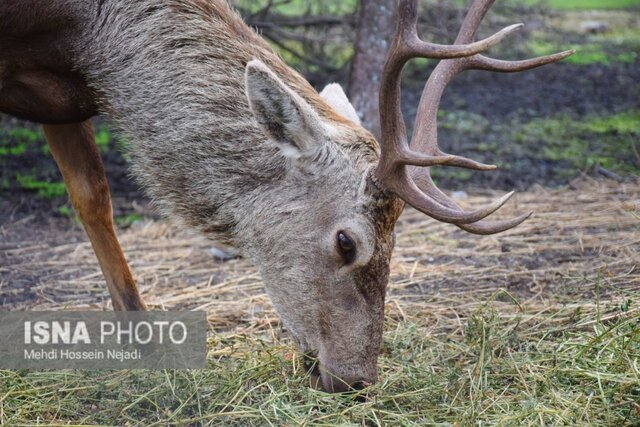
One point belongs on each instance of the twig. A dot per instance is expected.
(609, 174)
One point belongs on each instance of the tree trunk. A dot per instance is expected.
(375, 29)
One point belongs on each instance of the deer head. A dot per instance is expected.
(325, 258)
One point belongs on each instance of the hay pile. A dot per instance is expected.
(580, 235)
(536, 326)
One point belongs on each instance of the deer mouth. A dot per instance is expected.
(322, 380)
(312, 367)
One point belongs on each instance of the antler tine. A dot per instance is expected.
(401, 167)
(406, 45)
(411, 46)
(480, 62)
(404, 185)
(472, 20)
(479, 227)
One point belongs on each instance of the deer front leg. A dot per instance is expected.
(74, 149)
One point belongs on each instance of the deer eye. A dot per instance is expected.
(346, 247)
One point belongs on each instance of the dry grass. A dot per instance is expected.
(536, 326)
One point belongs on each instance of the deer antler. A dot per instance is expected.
(403, 169)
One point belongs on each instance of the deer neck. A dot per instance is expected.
(172, 80)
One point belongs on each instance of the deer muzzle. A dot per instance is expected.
(326, 378)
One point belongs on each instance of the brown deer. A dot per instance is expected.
(232, 142)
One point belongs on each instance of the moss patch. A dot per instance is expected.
(43, 188)
(609, 141)
(585, 54)
(16, 141)
(592, 4)
(556, 148)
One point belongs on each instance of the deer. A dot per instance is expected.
(230, 141)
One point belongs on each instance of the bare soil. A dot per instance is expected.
(583, 243)
(504, 100)
(45, 260)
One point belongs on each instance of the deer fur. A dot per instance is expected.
(228, 140)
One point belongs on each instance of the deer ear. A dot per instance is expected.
(286, 118)
(335, 96)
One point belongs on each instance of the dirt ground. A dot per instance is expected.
(584, 230)
(537, 325)
(537, 125)
(522, 164)
(583, 242)
(494, 107)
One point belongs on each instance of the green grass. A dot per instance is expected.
(566, 145)
(103, 138)
(300, 7)
(593, 4)
(568, 366)
(28, 143)
(44, 189)
(572, 4)
(623, 123)
(16, 141)
(607, 141)
(586, 54)
(127, 220)
(4, 185)
(65, 210)
(296, 7)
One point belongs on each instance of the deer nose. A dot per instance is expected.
(332, 384)
(359, 385)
